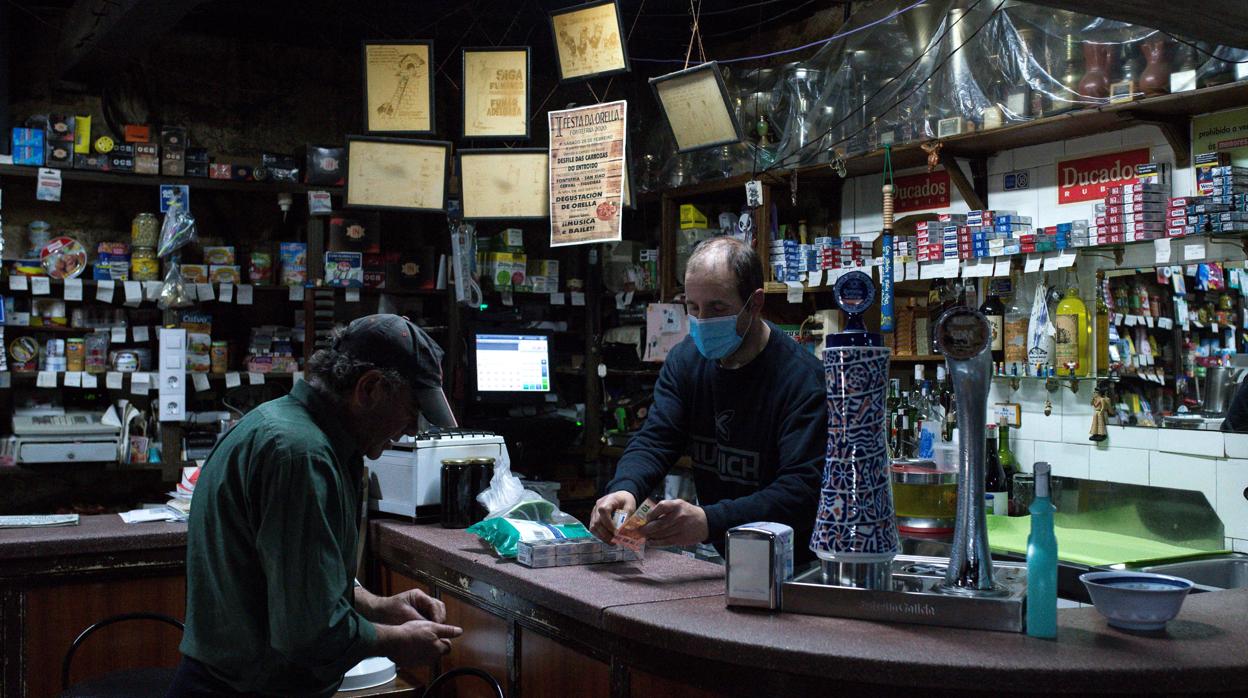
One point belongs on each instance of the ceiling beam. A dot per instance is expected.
(100, 37)
(1216, 21)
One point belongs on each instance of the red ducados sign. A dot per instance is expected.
(921, 192)
(1086, 179)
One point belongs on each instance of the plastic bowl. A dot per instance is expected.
(1136, 600)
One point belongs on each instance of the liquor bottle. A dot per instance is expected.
(1102, 327)
(1008, 464)
(1042, 560)
(1071, 342)
(894, 424)
(935, 308)
(1017, 315)
(995, 486)
(994, 310)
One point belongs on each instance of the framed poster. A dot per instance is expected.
(507, 184)
(496, 92)
(587, 173)
(396, 173)
(398, 86)
(695, 102)
(589, 40)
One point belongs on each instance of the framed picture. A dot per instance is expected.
(396, 173)
(695, 102)
(1123, 91)
(589, 40)
(398, 86)
(507, 184)
(496, 92)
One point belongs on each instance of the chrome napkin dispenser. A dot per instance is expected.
(760, 560)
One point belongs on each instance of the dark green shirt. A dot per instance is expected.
(271, 551)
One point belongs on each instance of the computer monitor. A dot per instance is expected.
(510, 365)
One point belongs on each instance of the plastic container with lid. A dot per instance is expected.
(144, 265)
(924, 496)
(75, 354)
(220, 353)
(145, 230)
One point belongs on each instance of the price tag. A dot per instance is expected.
(113, 380)
(40, 285)
(1115, 318)
(73, 289)
(1165, 323)
(352, 295)
(89, 380)
(118, 335)
(140, 383)
(578, 298)
(140, 333)
(507, 298)
(912, 270)
(1148, 320)
(73, 379)
(794, 291)
(1032, 263)
(753, 193)
(1051, 262)
(205, 292)
(1002, 268)
(48, 185)
(46, 379)
(227, 293)
(1011, 412)
(152, 289)
(255, 378)
(296, 294)
(134, 292)
(17, 282)
(816, 277)
(1161, 251)
(245, 294)
(232, 379)
(1194, 250)
(189, 290)
(557, 299)
(201, 381)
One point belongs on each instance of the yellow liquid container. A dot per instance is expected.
(1072, 345)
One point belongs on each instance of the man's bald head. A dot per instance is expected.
(730, 260)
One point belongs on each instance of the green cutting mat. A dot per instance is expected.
(1084, 546)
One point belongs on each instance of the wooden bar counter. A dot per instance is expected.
(661, 628)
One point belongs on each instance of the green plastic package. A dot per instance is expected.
(505, 533)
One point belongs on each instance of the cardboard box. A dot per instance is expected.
(344, 269)
(28, 145)
(194, 273)
(137, 133)
(146, 158)
(691, 217)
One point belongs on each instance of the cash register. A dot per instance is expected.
(57, 435)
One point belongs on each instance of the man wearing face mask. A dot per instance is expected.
(273, 539)
(743, 400)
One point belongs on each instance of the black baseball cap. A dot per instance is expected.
(393, 341)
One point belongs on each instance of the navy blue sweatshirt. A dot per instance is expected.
(757, 436)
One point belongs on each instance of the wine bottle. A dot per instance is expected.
(1008, 464)
(1071, 342)
(995, 486)
(1042, 560)
(994, 310)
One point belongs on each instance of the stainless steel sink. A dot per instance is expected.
(1226, 571)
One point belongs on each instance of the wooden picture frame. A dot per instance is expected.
(1122, 91)
(494, 183)
(497, 94)
(403, 160)
(589, 40)
(697, 108)
(398, 86)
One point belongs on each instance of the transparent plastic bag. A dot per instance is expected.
(174, 294)
(177, 231)
(506, 497)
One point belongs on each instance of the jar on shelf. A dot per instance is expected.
(75, 354)
(144, 265)
(145, 230)
(220, 354)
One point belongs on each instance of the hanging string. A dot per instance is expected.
(627, 38)
(888, 163)
(694, 32)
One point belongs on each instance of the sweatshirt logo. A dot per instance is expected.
(728, 464)
(722, 420)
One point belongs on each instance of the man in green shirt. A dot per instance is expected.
(272, 607)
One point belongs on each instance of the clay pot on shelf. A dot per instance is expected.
(1095, 82)
(1155, 80)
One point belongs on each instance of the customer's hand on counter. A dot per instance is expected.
(600, 523)
(412, 604)
(416, 642)
(675, 522)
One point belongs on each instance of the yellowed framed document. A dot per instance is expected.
(589, 41)
(396, 173)
(504, 184)
(496, 92)
(695, 102)
(398, 86)
(587, 173)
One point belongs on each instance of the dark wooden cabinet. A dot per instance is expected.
(551, 668)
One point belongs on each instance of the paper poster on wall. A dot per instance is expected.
(507, 184)
(588, 40)
(697, 106)
(587, 173)
(921, 192)
(1225, 131)
(1089, 178)
(496, 92)
(398, 86)
(392, 173)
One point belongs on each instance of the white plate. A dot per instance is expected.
(370, 673)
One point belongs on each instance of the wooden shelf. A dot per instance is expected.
(55, 329)
(777, 288)
(33, 375)
(196, 183)
(916, 359)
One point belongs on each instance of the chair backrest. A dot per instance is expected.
(73, 647)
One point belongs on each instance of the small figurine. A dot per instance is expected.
(1100, 412)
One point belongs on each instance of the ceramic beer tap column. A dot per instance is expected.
(964, 336)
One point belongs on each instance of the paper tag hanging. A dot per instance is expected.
(753, 193)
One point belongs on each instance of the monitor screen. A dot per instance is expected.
(513, 363)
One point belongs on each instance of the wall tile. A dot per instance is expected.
(1037, 155)
(1068, 460)
(849, 205)
(1231, 505)
(1142, 135)
(1037, 427)
(1001, 162)
(1024, 453)
(1129, 465)
(1078, 403)
(1236, 445)
(1194, 442)
(1094, 144)
(1239, 545)
(1076, 430)
(1184, 472)
(1133, 437)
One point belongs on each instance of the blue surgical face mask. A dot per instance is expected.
(716, 338)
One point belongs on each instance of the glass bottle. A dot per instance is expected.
(1042, 561)
(1071, 342)
(995, 485)
(1006, 458)
(1017, 315)
(1102, 327)
(994, 310)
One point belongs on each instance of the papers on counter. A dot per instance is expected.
(39, 521)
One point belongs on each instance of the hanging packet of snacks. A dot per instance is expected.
(174, 293)
(177, 231)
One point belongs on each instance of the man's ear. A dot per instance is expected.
(366, 389)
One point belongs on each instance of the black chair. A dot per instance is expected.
(434, 685)
(129, 683)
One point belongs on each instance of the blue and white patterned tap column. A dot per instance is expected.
(855, 522)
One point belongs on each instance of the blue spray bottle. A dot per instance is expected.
(1042, 560)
